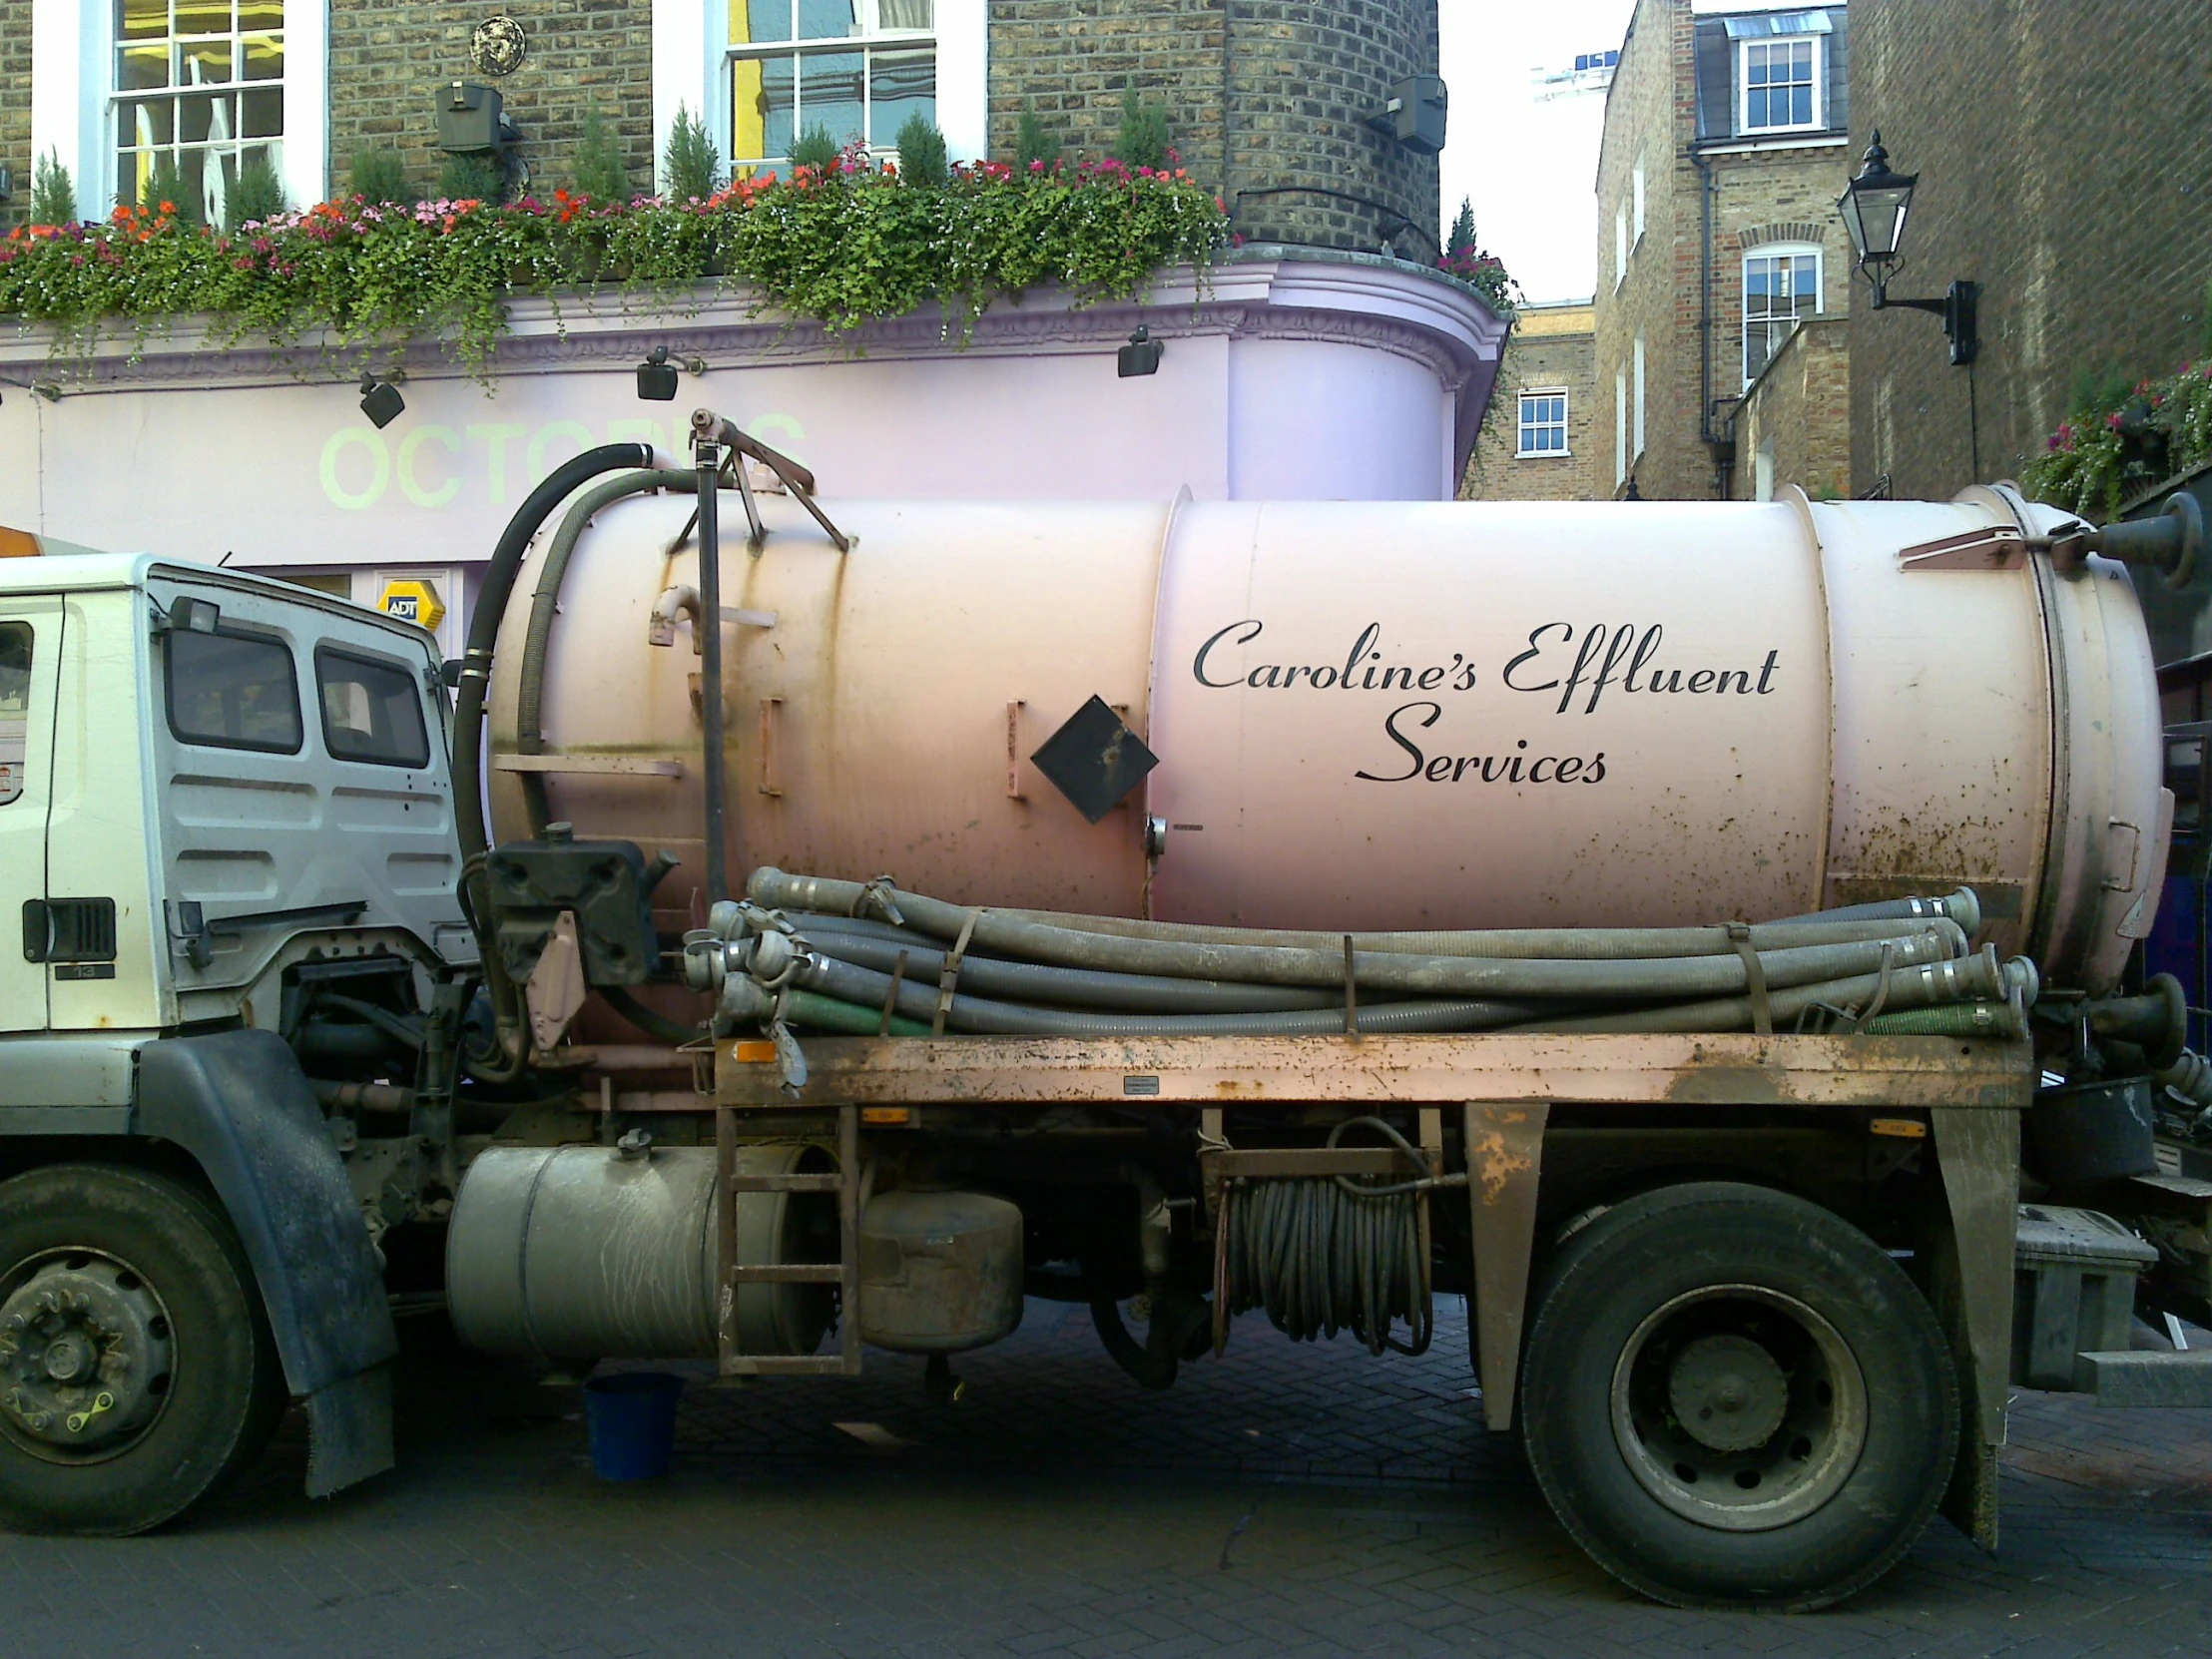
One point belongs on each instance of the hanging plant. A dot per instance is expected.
(843, 245)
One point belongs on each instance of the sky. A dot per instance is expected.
(1529, 167)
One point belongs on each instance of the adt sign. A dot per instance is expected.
(412, 601)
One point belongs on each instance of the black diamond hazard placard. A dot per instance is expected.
(1094, 760)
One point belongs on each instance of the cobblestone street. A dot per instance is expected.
(1285, 1500)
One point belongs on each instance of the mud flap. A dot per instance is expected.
(1979, 1152)
(239, 1105)
(350, 1432)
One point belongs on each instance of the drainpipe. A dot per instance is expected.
(1722, 450)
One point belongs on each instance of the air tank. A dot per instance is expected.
(1378, 715)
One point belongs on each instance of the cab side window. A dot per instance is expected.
(15, 707)
(372, 710)
(232, 691)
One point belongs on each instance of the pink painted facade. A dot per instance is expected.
(1284, 375)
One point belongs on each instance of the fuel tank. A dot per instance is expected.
(1377, 714)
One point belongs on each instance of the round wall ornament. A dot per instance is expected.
(498, 45)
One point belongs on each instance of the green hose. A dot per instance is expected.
(1954, 1019)
(828, 1013)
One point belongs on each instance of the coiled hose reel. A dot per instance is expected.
(1331, 1253)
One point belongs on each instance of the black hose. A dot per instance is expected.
(468, 711)
(1320, 1259)
(644, 1018)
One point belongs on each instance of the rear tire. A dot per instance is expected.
(1733, 1397)
(136, 1369)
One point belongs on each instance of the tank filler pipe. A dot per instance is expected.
(468, 719)
(1432, 976)
(545, 601)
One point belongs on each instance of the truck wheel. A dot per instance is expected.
(136, 1370)
(1733, 1397)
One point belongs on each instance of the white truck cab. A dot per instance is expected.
(206, 775)
(225, 802)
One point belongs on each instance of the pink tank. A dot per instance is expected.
(1382, 715)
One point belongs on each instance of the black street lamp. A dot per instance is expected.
(1874, 208)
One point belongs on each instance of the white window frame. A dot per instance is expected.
(73, 109)
(1620, 427)
(1743, 49)
(690, 55)
(1636, 191)
(1620, 244)
(1639, 450)
(1525, 428)
(1775, 250)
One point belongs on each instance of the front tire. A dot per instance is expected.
(1733, 1397)
(136, 1370)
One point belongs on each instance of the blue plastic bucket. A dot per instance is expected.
(632, 1416)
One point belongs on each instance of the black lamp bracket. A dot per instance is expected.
(1959, 309)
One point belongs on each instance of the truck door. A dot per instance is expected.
(30, 656)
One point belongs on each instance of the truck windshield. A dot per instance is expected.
(372, 710)
(232, 691)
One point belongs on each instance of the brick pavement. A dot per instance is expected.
(1287, 1500)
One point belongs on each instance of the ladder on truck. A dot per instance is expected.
(844, 1271)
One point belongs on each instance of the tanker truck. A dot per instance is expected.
(799, 928)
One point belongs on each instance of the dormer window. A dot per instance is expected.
(1780, 71)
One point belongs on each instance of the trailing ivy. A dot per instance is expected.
(2116, 444)
(844, 246)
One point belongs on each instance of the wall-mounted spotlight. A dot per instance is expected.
(1140, 355)
(657, 375)
(380, 400)
(1414, 114)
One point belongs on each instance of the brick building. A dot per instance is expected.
(1271, 101)
(1794, 423)
(2076, 198)
(1541, 440)
(1725, 147)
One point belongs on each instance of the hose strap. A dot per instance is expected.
(880, 898)
(949, 975)
(1881, 985)
(1754, 977)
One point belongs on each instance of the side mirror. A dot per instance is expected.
(194, 616)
